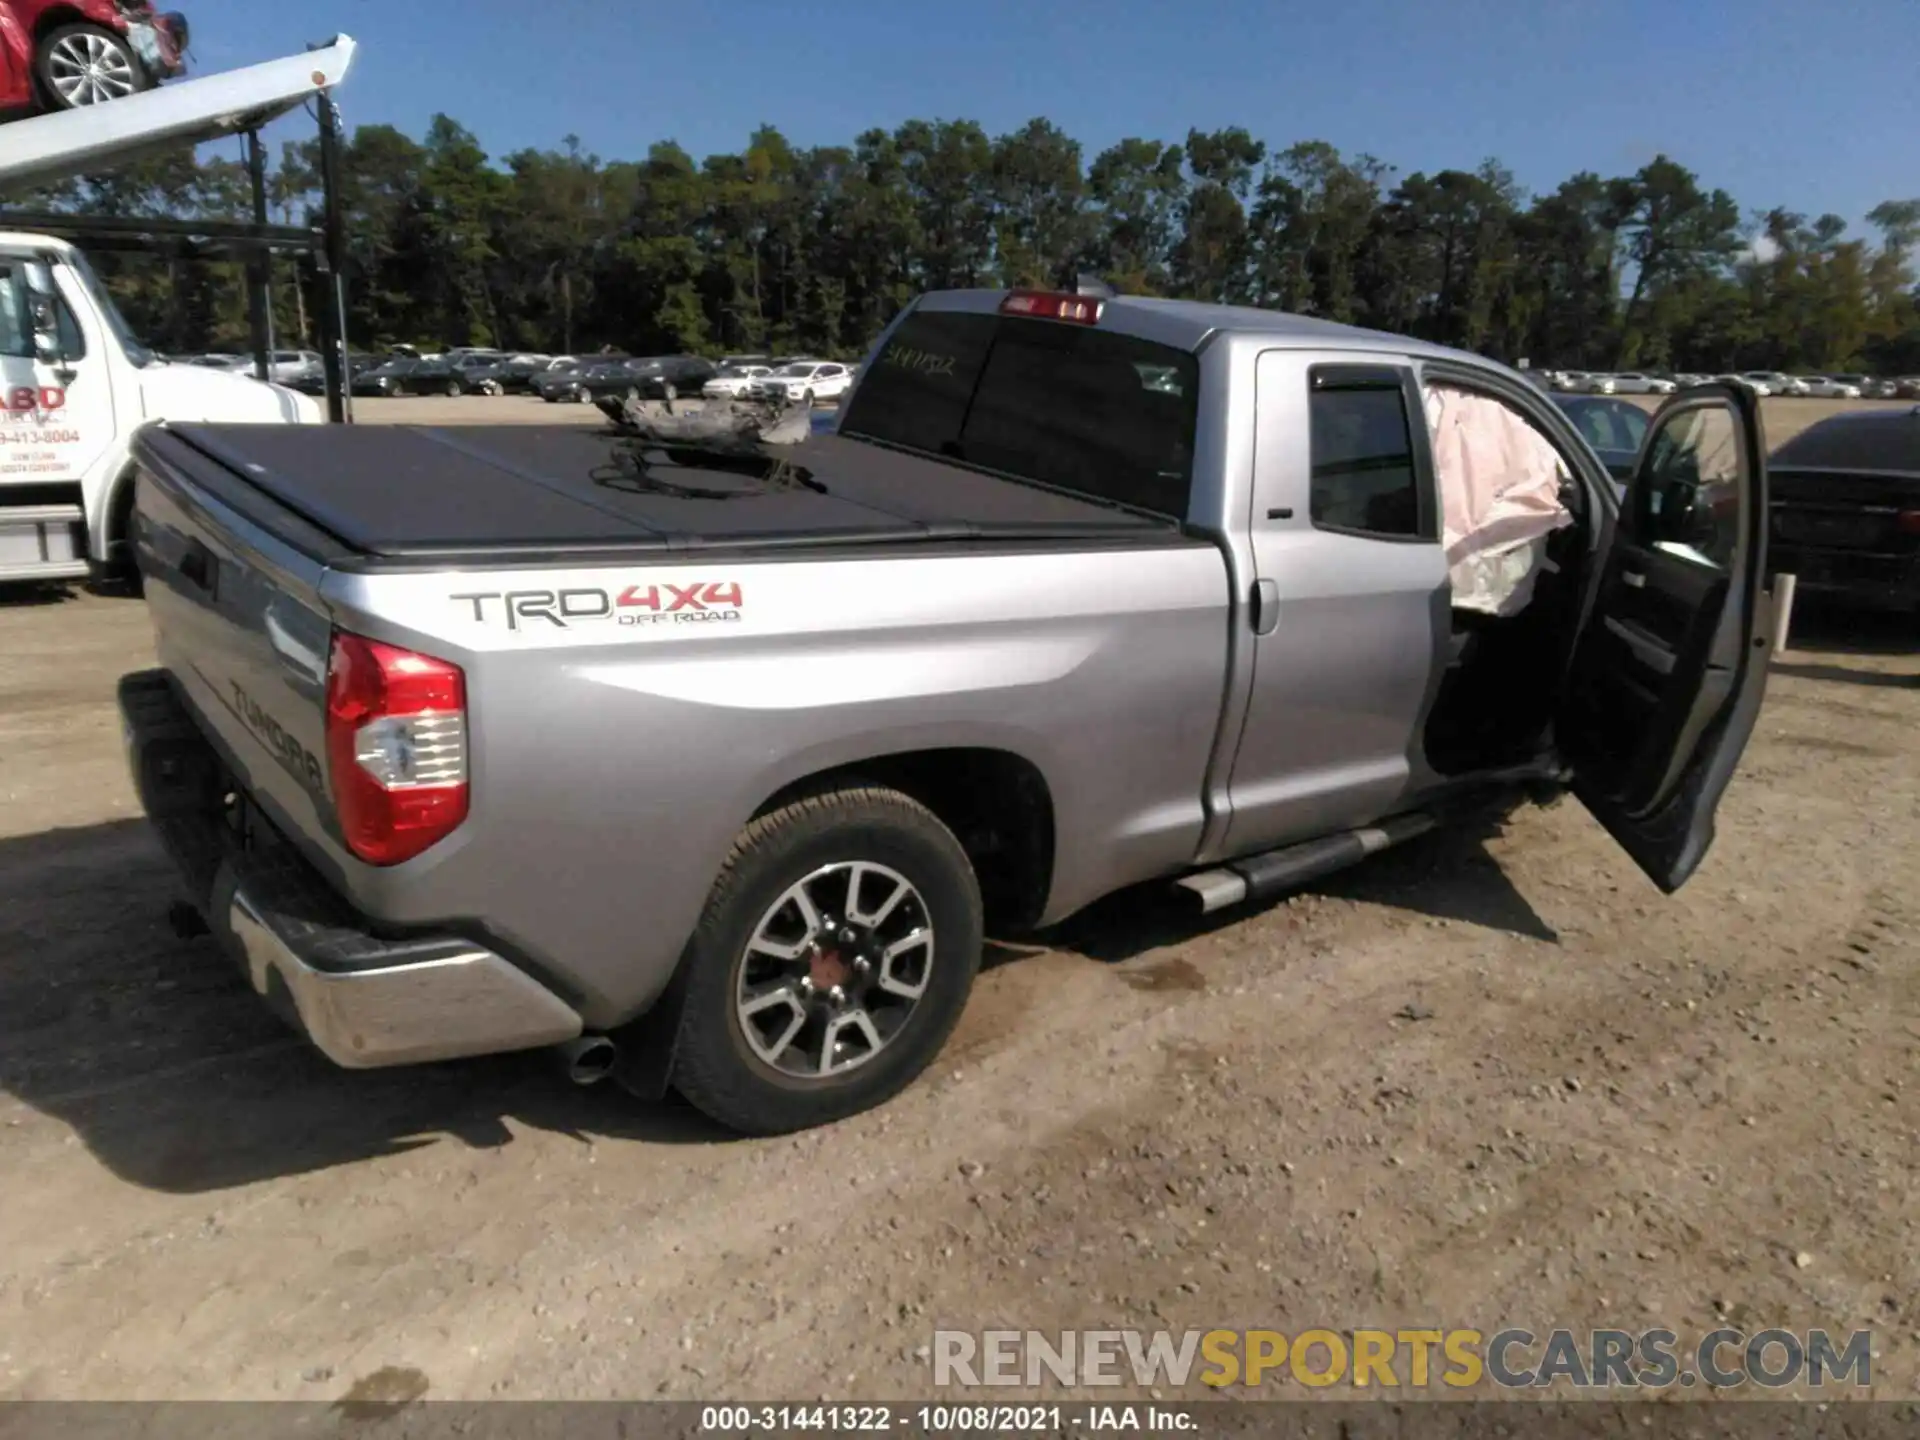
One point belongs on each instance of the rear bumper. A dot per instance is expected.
(1890, 582)
(363, 999)
(161, 44)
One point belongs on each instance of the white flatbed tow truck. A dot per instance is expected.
(75, 383)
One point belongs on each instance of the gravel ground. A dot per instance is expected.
(1488, 1079)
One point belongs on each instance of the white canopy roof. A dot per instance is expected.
(91, 138)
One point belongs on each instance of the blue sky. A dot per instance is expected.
(1812, 104)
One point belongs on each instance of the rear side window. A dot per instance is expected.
(1610, 427)
(1364, 479)
(1076, 407)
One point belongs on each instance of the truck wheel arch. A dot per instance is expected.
(997, 804)
(116, 520)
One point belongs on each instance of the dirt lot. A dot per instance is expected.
(471, 410)
(1488, 1079)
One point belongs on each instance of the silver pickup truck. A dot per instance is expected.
(713, 769)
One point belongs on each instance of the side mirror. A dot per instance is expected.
(46, 327)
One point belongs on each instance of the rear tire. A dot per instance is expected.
(722, 1062)
(454, 390)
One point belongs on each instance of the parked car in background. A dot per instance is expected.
(732, 382)
(1638, 382)
(1765, 382)
(805, 381)
(557, 384)
(1614, 428)
(450, 374)
(283, 366)
(389, 377)
(1907, 387)
(1846, 508)
(62, 54)
(594, 379)
(669, 377)
(1572, 382)
(1860, 384)
(314, 382)
(1825, 387)
(508, 374)
(1795, 386)
(286, 366)
(1881, 388)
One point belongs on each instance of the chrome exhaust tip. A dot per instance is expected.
(587, 1060)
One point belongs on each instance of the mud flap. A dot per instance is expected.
(649, 1045)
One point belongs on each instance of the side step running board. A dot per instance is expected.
(1261, 877)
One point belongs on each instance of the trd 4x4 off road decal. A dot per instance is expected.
(700, 603)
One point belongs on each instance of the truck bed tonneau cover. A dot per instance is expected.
(415, 493)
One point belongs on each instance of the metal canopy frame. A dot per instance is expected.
(254, 241)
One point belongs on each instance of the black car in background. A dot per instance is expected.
(1845, 497)
(389, 377)
(573, 383)
(1614, 428)
(648, 377)
(447, 374)
(314, 382)
(670, 377)
(510, 375)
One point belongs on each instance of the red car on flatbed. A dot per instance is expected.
(59, 54)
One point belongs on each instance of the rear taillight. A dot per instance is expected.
(1908, 522)
(396, 748)
(1052, 305)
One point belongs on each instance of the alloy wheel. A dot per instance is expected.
(85, 68)
(834, 970)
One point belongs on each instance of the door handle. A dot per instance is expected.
(1634, 579)
(197, 566)
(1264, 607)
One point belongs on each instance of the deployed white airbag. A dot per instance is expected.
(1500, 482)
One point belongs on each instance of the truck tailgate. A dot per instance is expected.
(239, 624)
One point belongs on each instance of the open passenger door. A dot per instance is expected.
(1668, 672)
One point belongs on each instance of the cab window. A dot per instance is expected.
(1364, 481)
(1068, 406)
(16, 317)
